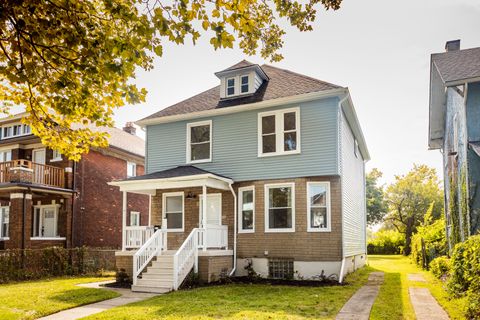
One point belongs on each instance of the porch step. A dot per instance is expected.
(157, 276)
(150, 289)
(155, 283)
(159, 271)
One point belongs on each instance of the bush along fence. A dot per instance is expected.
(18, 265)
(386, 242)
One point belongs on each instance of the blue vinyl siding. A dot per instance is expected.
(235, 145)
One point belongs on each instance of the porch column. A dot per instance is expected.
(204, 216)
(124, 219)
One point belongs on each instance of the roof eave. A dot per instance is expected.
(245, 107)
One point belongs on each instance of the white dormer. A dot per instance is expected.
(241, 79)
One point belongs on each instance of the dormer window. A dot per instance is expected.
(244, 84)
(230, 86)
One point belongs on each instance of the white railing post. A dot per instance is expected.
(195, 241)
(204, 215)
(175, 272)
(124, 219)
(164, 228)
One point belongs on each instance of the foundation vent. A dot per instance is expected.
(280, 268)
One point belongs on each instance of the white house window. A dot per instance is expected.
(280, 207)
(15, 130)
(131, 169)
(173, 210)
(279, 132)
(244, 84)
(134, 218)
(199, 142)
(230, 86)
(318, 206)
(56, 156)
(4, 222)
(5, 155)
(45, 221)
(246, 209)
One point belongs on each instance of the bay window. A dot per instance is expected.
(280, 207)
(199, 142)
(173, 211)
(246, 198)
(279, 132)
(318, 206)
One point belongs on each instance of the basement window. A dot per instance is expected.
(280, 268)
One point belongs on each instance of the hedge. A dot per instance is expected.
(18, 265)
(386, 242)
(432, 234)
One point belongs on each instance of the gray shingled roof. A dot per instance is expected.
(240, 65)
(458, 65)
(282, 83)
(180, 171)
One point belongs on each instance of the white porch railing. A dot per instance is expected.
(136, 236)
(216, 236)
(186, 257)
(151, 248)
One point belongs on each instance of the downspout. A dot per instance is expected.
(340, 276)
(234, 230)
(73, 204)
(24, 213)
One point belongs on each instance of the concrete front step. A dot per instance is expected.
(153, 270)
(154, 283)
(157, 277)
(162, 264)
(150, 289)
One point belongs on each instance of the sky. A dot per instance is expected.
(379, 49)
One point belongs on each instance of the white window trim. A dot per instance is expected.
(240, 211)
(240, 84)
(57, 158)
(189, 149)
(135, 213)
(14, 136)
(2, 236)
(39, 237)
(164, 207)
(134, 169)
(267, 225)
(279, 130)
(329, 219)
(235, 83)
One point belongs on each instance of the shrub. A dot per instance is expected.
(440, 267)
(386, 242)
(465, 274)
(433, 235)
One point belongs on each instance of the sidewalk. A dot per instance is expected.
(127, 296)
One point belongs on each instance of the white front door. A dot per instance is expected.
(214, 209)
(49, 223)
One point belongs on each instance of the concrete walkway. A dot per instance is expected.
(127, 296)
(425, 305)
(360, 304)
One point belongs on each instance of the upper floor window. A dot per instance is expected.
(131, 169)
(16, 130)
(5, 155)
(279, 132)
(246, 197)
(199, 142)
(244, 84)
(318, 206)
(56, 155)
(230, 87)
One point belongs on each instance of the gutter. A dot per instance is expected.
(234, 230)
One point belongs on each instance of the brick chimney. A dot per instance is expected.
(453, 45)
(130, 128)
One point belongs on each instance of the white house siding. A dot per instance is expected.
(353, 193)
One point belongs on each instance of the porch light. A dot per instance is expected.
(191, 196)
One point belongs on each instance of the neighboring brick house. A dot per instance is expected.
(48, 200)
(454, 129)
(267, 169)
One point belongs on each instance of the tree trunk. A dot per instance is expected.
(408, 236)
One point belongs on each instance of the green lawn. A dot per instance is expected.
(34, 299)
(243, 301)
(393, 301)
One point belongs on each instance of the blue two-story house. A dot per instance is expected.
(454, 129)
(263, 173)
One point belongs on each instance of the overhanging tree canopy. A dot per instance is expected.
(72, 61)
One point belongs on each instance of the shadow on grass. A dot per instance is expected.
(82, 296)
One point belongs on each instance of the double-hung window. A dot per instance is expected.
(199, 142)
(279, 132)
(5, 155)
(173, 211)
(4, 222)
(318, 206)
(230, 87)
(15, 130)
(246, 197)
(280, 207)
(131, 169)
(56, 156)
(45, 221)
(244, 84)
(134, 218)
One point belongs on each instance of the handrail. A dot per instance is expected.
(144, 255)
(39, 173)
(136, 236)
(186, 257)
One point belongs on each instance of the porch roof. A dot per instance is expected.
(178, 177)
